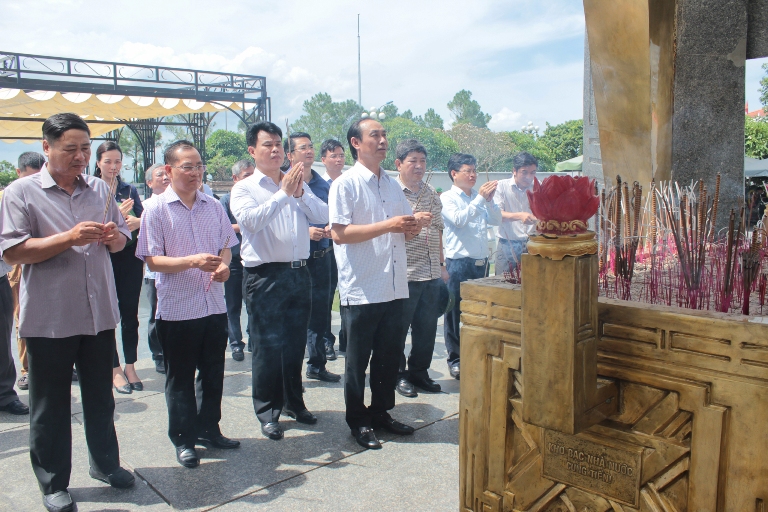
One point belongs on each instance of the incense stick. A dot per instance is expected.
(226, 243)
(110, 196)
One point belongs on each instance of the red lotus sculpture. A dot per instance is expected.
(563, 204)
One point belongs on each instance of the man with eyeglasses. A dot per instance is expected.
(467, 214)
(332, 156)
(517, 220)
(299, 149)
(274, 211)
(185, 238)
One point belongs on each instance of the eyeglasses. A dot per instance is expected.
(304, 147)
(189, 169)
(468, 173)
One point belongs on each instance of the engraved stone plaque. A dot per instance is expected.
(607, 467)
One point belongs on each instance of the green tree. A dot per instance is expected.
(433, 120)
(493, 150)
(224, 148)
(324, 118)
(465, 110)
(7, 173)
(132, 148)
(530, 144)
(755, 138)
(564, 141)
(438, 144)
(764, 88)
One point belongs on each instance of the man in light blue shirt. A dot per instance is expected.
(466, 214)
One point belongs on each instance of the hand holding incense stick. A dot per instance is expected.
(226, 243)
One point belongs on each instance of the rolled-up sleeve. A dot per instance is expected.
(15, 224)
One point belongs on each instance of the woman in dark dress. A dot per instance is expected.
(127, 268)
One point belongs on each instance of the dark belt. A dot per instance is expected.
(322, 253)
(279, 264)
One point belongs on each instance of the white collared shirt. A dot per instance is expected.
(513, 199)
(274, 226)
(466, 221)
(376, 270)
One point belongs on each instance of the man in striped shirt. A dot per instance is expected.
(426, 269)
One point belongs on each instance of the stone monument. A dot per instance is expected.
(664, 89)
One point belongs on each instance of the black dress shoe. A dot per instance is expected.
(187, 457)
(218, 441)
(119, 479)
(237, 354)
(125, 390)
(453, 369)
(136, 386)
(426, 384)
(330, 354)
(302, 416)
(15, 407)
(405, 388)
(272, 430)
(323, 375)
(59, 501)
(393, 426)
(366, 438)
(160, 366)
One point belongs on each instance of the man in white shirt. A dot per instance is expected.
(517, 220)
(332, 155)
(467, 214)
(274, 211)
(370, 220)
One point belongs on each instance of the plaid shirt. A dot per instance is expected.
(169, 228)
(423, 251)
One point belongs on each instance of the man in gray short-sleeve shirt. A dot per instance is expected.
(56, 225)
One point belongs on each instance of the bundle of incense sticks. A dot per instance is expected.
(221, 251)
(110, 196)
(421, 192)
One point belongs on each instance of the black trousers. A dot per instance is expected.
(280, 300)
(420, 312)
(50, 398)
(373, 334)
(233, 296)
(7, 367)
(319, 318)
(194, 405)
(329, 337)
(129, 273)
(459, 270)
(152, 338)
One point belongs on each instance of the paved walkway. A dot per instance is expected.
(315, 468)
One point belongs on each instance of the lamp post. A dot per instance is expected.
(376, 113)
(530, 129)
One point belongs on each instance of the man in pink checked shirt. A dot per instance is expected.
(185, 238)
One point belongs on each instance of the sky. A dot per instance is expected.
(522, 59)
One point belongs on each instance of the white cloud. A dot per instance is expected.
(505, 120)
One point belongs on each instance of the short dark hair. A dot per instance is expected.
(289, 145)
(408, 146)
(459, 159)
(103, 148)
(523, 159)
(55, 126)
(356, 132)
(252, 135)
(31, 159)
(329, 146)
(169, 156)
